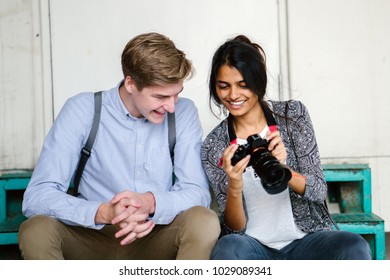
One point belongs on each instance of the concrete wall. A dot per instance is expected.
(25, 110)
(86, 50)
(340, 68)
(332, 55)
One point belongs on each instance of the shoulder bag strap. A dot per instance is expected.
(86, 151)
(171, 133)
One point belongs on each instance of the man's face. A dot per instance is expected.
(153, 102)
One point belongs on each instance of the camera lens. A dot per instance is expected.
(274, 176)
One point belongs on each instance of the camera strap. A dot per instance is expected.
(268, 116)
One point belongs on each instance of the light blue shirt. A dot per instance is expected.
(129, 154)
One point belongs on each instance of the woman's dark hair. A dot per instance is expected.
(249, 59)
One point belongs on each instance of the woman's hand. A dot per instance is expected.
(234, 215)
(234, 172)
(278, 150)
(276, 146)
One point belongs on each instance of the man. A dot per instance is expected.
(127, 206)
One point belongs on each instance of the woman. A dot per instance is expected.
(284, 216)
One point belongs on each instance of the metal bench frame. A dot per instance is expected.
(365, 222)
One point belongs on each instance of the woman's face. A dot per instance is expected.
(233, 92)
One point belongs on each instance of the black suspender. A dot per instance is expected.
(171, 133)
(86, 150)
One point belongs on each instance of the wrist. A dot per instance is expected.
(151, 203)
(235, 190)
(234, 194)
(297, 183)
(104, 214)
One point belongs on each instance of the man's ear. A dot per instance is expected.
(129, 84)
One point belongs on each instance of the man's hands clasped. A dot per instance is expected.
(129, 211)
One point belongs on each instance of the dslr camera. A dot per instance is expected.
(273, 175)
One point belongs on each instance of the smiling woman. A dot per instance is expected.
(233, 92)
(264, 213)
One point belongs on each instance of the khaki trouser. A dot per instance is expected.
(191, 235)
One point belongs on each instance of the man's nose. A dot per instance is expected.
(169, 106)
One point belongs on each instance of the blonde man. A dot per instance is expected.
(127, 206)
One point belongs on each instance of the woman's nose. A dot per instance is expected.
(234, 93)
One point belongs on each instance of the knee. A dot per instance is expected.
(231, 241)
(34, 228)
(203, 222)
(229, 247)
(355, 247)
(34, 233)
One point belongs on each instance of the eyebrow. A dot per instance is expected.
(161, 95)
(224, 82)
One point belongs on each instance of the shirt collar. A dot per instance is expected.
(121, 106)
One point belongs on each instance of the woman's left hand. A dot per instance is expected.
(276, 146)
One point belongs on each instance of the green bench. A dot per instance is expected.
(350, 186)
(12, 186)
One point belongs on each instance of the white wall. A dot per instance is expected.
(338, 65)
(87, 43)
(340, 68)
(25, 109)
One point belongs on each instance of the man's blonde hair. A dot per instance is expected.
(153, 59)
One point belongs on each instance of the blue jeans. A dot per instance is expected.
(322, 245)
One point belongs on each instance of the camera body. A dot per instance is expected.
(273, 175)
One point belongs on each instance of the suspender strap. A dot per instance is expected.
(171, 133)
(86, 151)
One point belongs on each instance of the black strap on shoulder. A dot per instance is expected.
(268, 116)
(86, 150)
(171, 133)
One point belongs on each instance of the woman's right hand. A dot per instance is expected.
(234, 172)
(234, 215)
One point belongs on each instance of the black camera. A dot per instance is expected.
(274, 176)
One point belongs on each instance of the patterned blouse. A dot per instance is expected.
(297, 132)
